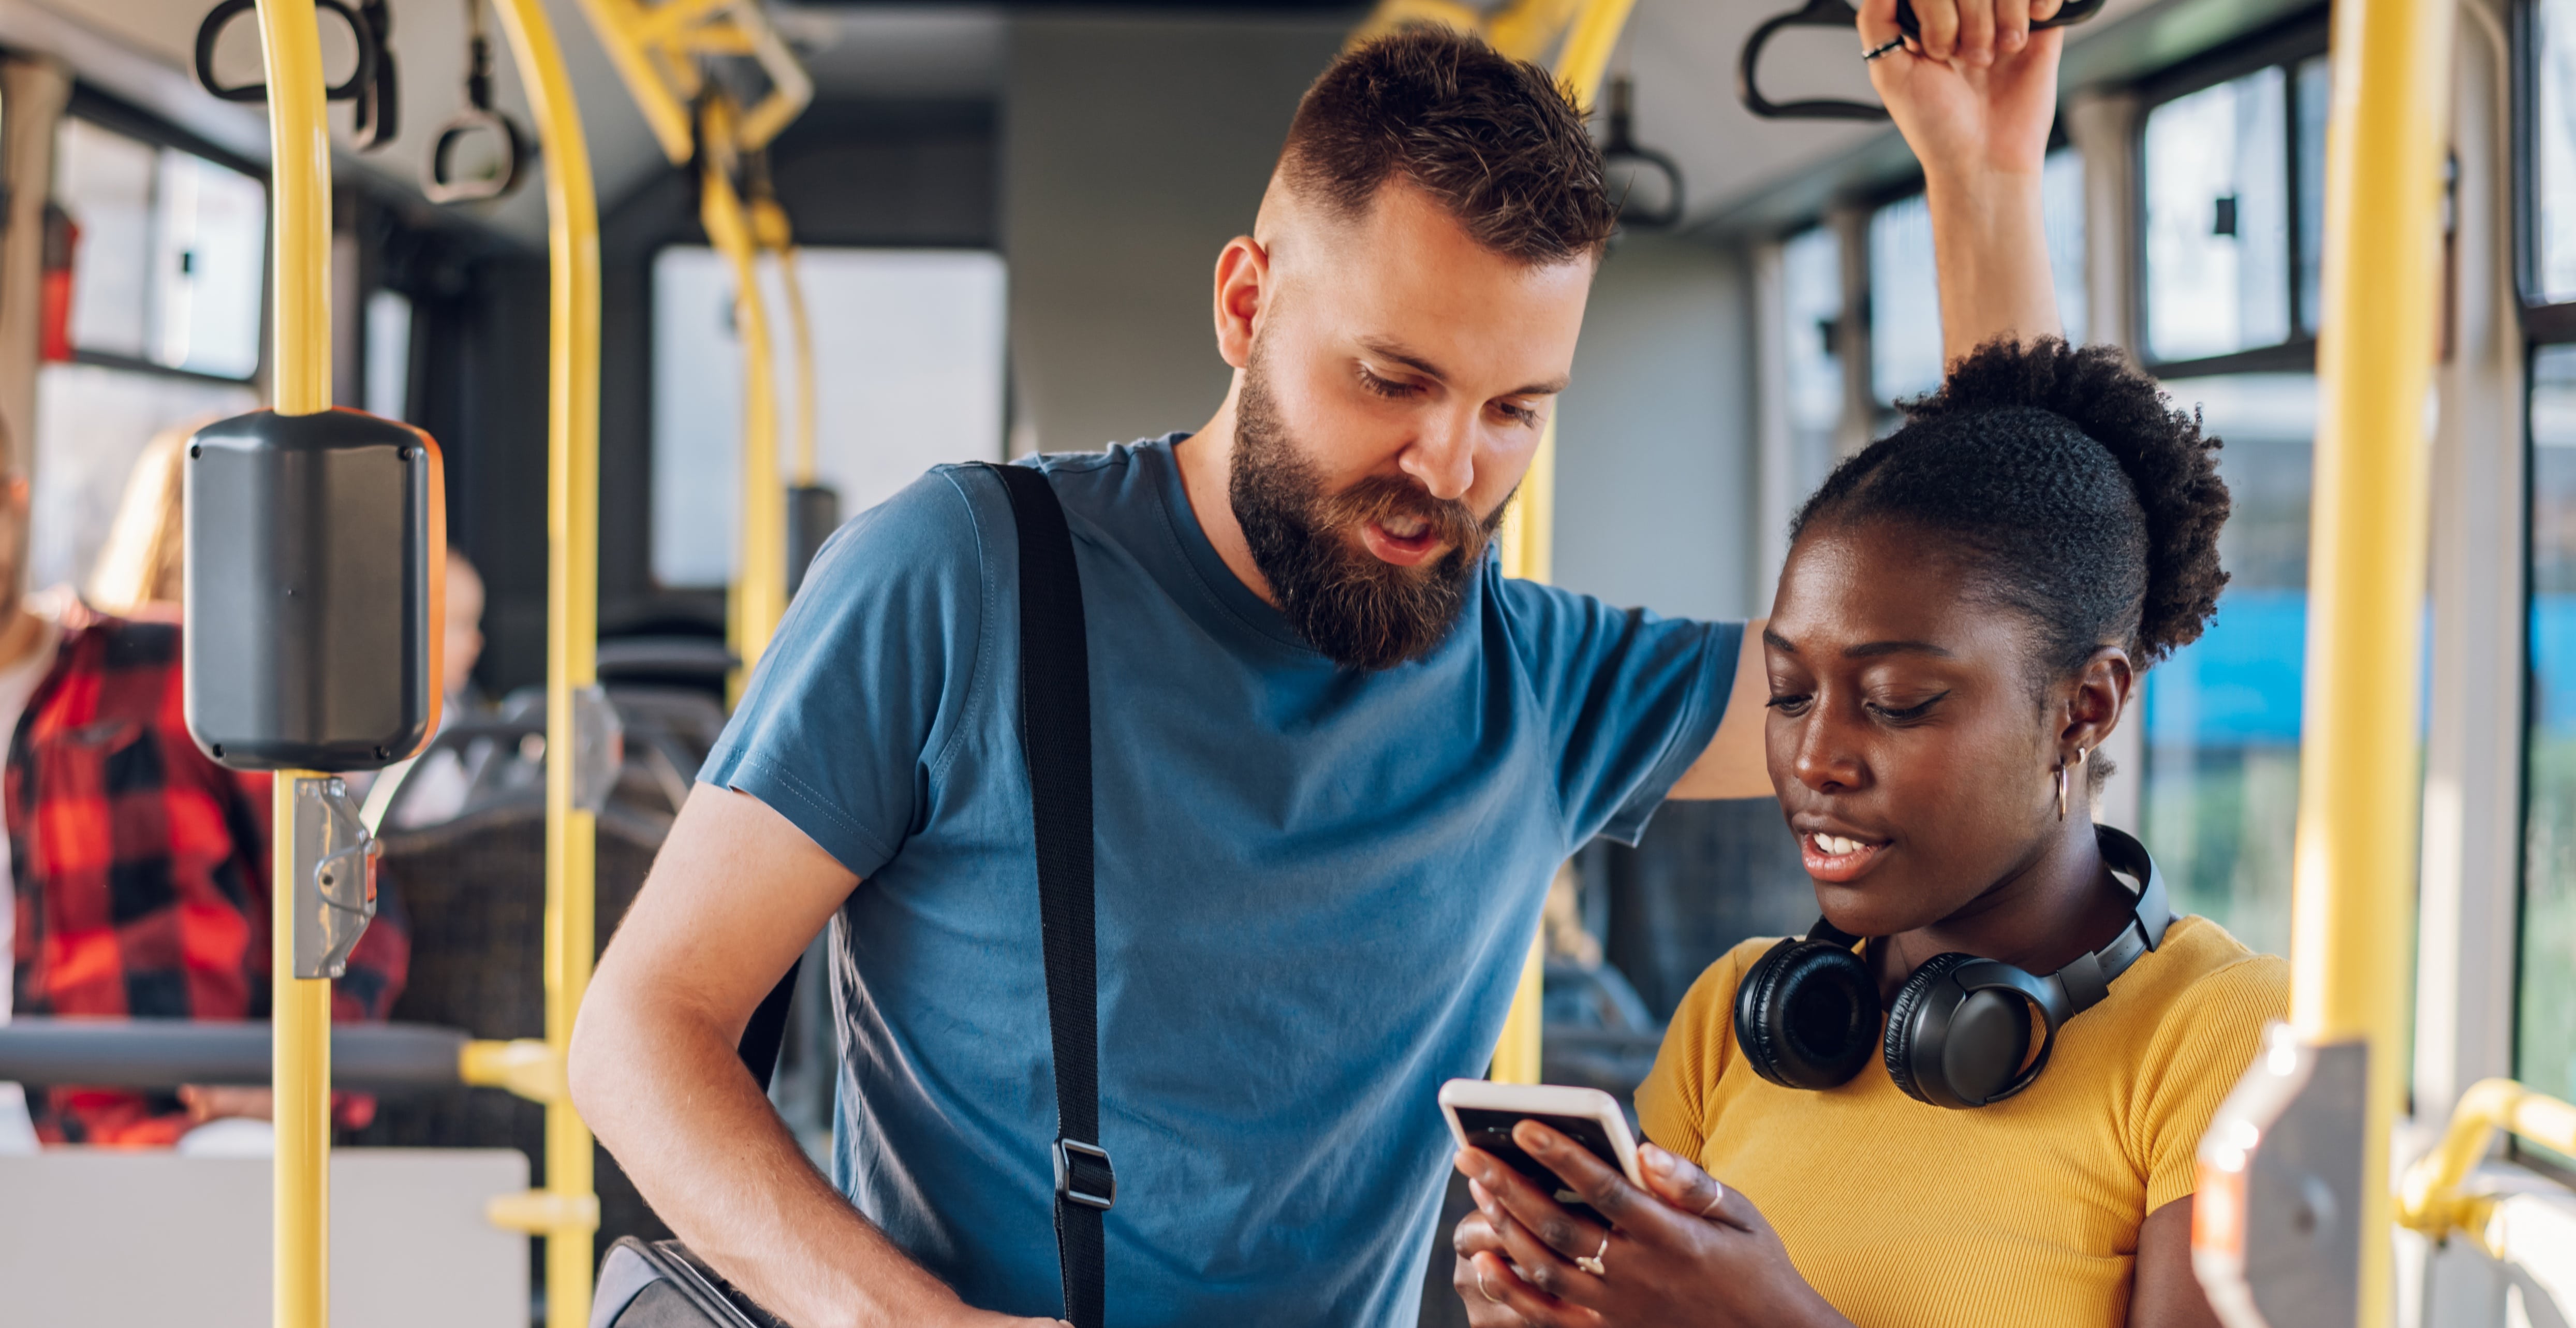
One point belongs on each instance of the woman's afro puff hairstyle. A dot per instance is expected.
(2091, 505)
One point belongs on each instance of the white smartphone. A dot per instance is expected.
(1482, 1113)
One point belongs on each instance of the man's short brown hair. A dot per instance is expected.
(1497, 141)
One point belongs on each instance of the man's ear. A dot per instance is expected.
(1242, 283)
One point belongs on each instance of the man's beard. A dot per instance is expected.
(1346, 602)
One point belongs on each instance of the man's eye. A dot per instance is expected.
(1517, 414)
(1387, 387)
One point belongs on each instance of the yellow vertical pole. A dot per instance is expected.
(760, 583)
(572, 626)
(299, 141)
(2351, 901)
(770, 228)
(1529, 527)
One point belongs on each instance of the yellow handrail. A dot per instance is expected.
(2352, 897)
(655, 49)
(1527, 30)
(769, 227)
(760, 582)
(569, 1212)
(299, 141)
(2432, 1198)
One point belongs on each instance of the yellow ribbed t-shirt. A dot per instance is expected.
(2023, 1212)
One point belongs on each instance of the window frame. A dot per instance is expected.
(2284, 46)
(117, 116)
(2545, 324)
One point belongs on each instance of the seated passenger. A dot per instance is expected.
(1960, 624)
(434, 788)
(140, 867)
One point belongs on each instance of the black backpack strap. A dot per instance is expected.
(1055, 738)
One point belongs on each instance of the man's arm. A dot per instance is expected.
(1733, 766)
(733, 898)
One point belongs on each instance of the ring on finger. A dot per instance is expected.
(1713, 1203)
(1591, 1263)
(1883, 48)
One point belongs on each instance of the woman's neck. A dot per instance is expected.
(2060, 903)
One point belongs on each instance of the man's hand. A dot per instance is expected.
(209, 1102)
(1975, 99)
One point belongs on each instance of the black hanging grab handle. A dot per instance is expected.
(379, 110)
(1844, 15)
(372, 85)
(438, 184)
(225, 13)
(1622, 146)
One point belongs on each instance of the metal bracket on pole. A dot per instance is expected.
(335, 876)
(2276, 1225)
(598, 747)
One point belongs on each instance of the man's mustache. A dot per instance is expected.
(1451, 521)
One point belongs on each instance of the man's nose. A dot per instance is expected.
(1442, 457)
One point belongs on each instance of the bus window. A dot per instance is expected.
(1811, 297)
(1905, 304)
(163, 330)
(908, 354)
(2221, 791)
(2217, 220)
(388, 372)
(2309, 149)
(2546, 1028)
(2552, 150)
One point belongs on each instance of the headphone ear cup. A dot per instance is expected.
(1929, 983)
(1952, 1047)
(1803, 1014)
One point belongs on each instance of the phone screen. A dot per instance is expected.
(1491, 1131)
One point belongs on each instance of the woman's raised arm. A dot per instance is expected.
(1975, 99)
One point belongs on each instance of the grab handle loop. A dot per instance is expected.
(212, 29)
(1843, 14)
(372, 85)
(1622, 146)
(439, 182)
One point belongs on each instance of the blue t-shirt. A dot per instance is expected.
(1316, 887)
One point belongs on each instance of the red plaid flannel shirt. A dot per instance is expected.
(141, 871)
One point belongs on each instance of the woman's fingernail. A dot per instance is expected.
(1656, 1157)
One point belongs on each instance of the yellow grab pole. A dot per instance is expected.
(760, 583)
(1586, 56)
(2352, 895)
(1529, 526)
(770, 228)
(569, 1213)
(299, 142)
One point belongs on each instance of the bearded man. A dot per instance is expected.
(1335, 758)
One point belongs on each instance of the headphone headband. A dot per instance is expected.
(1947, 1040)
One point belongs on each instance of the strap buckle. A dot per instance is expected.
(1083, 1174)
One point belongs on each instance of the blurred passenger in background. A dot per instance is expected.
(434, 787)
(140, 568)
(140, 866)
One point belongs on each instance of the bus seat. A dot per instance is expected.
(475, 890)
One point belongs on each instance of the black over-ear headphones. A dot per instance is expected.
(1807, 1010)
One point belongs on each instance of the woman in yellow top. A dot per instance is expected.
(1988, 1111)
